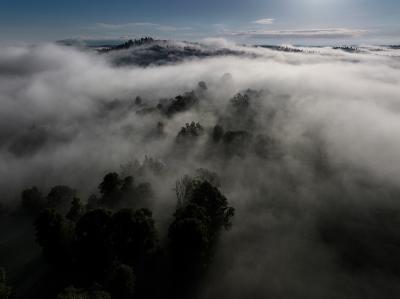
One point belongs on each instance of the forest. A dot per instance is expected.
(162, 169)
(107, 249)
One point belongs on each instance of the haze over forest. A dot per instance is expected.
(229, 161)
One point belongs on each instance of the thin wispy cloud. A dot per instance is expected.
(267, 21)
(125, 25)
(172, 28)
(131, 25)
(305, 33)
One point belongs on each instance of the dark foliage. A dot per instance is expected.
(162, 52)
(218, 133)
(189, 132)
(130, 43)
(54, 235)
(60, 197)
(180, 103)
(110, 189)
(121, 282)
(190, 244)
(283, 49)
(193, 234)
(94, 292)
(115, 253)
(240, 102)
(133, 236)
(215, 204)
(119, 193)
(76, 210)
(32, 201)
(5, 289)
(94, 243)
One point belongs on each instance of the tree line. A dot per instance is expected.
(110, 247)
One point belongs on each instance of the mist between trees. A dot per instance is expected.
(239, 173)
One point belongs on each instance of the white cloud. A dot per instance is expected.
(172, 28)
(267, 21)
(159, 27)
(124, 25)
(67, 118)
(305, 33)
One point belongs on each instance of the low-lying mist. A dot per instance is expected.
(305, 144)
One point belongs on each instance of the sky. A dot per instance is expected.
(250, 21)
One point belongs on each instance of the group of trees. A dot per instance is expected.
(235, 134)
(115, 192)
(149, 166)
(107, 249)
(101, 247)
(180, 103)
(108, 246)
(59, 198)
(230, 143)
(130, 43)
(189, 131)
(201, 214)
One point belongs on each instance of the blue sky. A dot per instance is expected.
(255, 21)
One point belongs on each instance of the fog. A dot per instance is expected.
(316, 184)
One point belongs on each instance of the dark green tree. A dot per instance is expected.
(60, 197)
(218, 133)
(190, 132)
(121, 282)
(92, 202)
(190, 239)
(76, 210)
(203, 174)
(120, 193)
(54, 235)
(201, 214)
(32, 201)
(207, 196)
(134, 235)
(110, 189)
(127, 184)
(94, 245)
(111, 183)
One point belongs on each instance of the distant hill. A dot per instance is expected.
(147, 51)
(129, 44)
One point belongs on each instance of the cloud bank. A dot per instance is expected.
(267, 21)
(309, 156)
(328, 33)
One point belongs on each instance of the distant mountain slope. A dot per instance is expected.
(147, 51)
